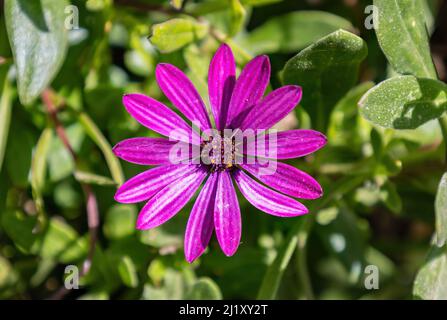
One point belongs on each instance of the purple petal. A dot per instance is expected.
(286, 179)
(227, 215)
(182, 93)
(146, 184)
(267, 200)
(170, 200)
(150, 151)
(200, 223)
(221, 80)
(275, 106)
(159, 118)
(249, 88)
(289, 144)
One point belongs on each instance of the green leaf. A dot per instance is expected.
(326, 70)
(91, 178)
(5, 114)
(39, 167)
(402, 33)
(96, 135)
(441, 211)
(390, 196)
(293, 31)
(21, 142)
(176, 33)
(176, 4)
(61, 163)
(431, 280)
(345, 122)
(237, 16)
(39, 163)
(120, 221)
(204, 289)
(38, 40)
(19, 227)
(404, 102)
(62, 243)
(128, 272)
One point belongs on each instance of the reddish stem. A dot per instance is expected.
(91, 201)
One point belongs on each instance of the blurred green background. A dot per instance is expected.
(380, 184)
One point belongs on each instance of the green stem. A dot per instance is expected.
(301, 253)
(275, 271)
(443, 125)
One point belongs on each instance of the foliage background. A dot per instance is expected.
(380, 184)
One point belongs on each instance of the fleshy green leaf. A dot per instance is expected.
(21, 142)
(96, 135)
(441, 211)
(38, 40)
(5, 113)
(390, 196)
(293, 31)
(128, 272)
(62, 243)
(404, 102)
(91, 178)
(205, 289)
(345, 123)
(431, 281)
(19, 227)
(61, 163)
(39, 167)
(176, 33)
(120, 221)
(325, 70)
(402, 34)
(237, 14)
(176, 4)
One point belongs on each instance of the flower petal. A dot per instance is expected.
(221, 80)
(249, 88)
(289, 144)
(150, 151)
(267, 200)
(159, 118)
(275, 106)
(182, 93)
(227, 215)
(146, 184)
(170, 200)
(286, 179)
(200, 223)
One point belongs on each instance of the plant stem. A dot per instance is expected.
(91, 202)
(301, 252)
(443, 125)
(275, 271)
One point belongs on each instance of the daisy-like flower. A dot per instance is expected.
(236, 105)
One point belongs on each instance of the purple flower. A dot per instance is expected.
(237, 105)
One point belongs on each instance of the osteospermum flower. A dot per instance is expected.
(237, 105)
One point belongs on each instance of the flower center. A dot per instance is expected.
(219, 152)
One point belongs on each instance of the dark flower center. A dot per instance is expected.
(219, 152)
